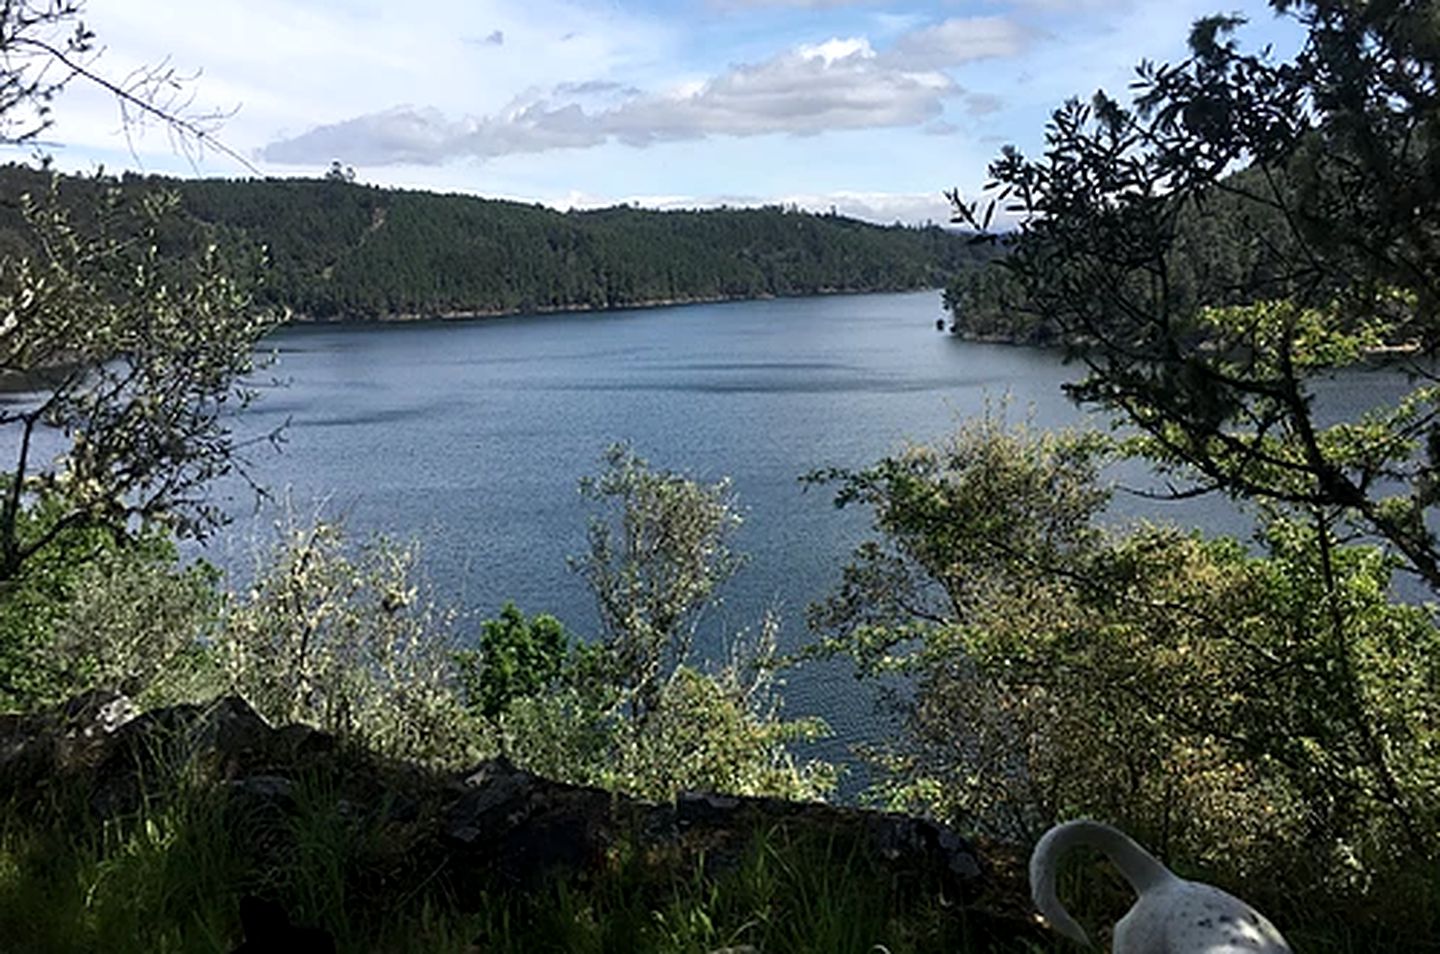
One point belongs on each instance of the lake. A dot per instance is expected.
(472, 435)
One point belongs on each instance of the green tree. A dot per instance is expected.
(659, 552)
(87, 611)
(1194, 692)
(1325, 170)
(517, 657)
(126, 330)
(1333, 216)
(133, 344)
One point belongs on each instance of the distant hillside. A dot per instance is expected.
(1232, 250)
(339, 249)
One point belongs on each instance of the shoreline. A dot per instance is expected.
(468, 314)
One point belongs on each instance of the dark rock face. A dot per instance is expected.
(510, 823)
(228, 733)
(34, 748)
(493, 823)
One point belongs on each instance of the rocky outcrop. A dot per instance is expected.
(517, 826)
(493, 824)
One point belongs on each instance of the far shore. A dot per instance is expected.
(578, 307)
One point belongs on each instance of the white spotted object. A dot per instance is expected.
(1170, 916)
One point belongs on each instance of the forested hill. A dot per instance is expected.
(1233, 249)
(339, 249)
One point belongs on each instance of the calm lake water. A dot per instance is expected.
(472, 435)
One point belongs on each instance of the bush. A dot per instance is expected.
(630, 711)
(96, 609)
(1262, 715)
(712, 732)
(344, 638)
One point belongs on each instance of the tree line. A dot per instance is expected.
(336, 249)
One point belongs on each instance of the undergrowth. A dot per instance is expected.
(169, 877)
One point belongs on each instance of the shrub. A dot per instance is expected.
(1267, 715)
(345, 638)
(95, 609)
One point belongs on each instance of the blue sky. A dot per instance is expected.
(872, 107)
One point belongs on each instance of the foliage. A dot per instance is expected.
(1332, 227)
(716, 731)
(992, 510)
(707, 735)
(659, 551)
(517, 657)
(986, 304)
(339, 172)
(344, 638)
(1214, 252)
(629, 712)
(1264, 716)
(127, 332)
(135, 347)
(139, 624)
(93, 610)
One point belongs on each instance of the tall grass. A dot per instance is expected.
(786, 893)
(169, 877)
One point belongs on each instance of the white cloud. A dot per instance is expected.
(839, 84)
(959, 40)
(836, 48)
(286, 65)
(596, 74)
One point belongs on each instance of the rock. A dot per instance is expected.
(221, 738)
(503, 821)
(493, 823)
(269, 789)
(508, 823)
(37, 747)
(960, 856)
(493, 798)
